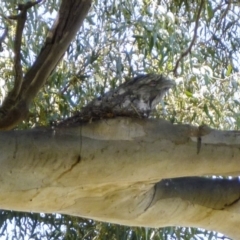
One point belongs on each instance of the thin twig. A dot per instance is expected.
(3, 37)
(188, 50)
(21, 19)
(224, 14)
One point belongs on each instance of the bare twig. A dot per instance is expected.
(222, 17)
(188, 50)
(224, 14)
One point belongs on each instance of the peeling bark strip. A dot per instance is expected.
(207, 192)
(70, 18)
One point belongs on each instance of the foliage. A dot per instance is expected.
(119, 39)
(46, 226)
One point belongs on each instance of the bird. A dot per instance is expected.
(136, 97)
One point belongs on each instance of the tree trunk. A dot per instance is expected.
(127, 171)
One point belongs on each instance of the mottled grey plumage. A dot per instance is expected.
(134, 98)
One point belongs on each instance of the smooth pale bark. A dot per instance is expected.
(112, 171)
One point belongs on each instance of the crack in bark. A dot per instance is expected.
(71, 167)
(16, 148)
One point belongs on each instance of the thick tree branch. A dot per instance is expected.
(21, 19)
(71, 16)
(147, 182)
